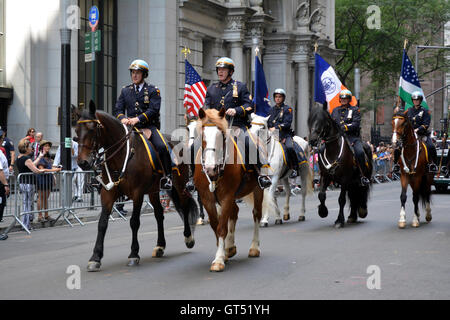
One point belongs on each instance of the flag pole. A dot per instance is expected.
(185, 51)
(399, 100)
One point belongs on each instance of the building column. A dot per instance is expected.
(302, 99)
(237, 55)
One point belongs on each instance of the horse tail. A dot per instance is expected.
(425, 191)
(305, 166)
(190, 206)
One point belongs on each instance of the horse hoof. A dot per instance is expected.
(323, 211)
(338, 225)
(253, 253)
(402, 225)
(200, 222)
(351, 220)
(93, 266)
(217, 267)
(428, 217)
(286, 217)
(264, 224)
(190, 242)
(133, 262)
(278, 221)
(301, 218)
(158, 252)
(415, 224)
(230, 252)
(362, 212)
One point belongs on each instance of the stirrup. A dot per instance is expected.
(432, 168)
(165, 183)
(264, 182)
(364, 181)
(293, 174)
(444, 170)
(190, 186)
(396, 168)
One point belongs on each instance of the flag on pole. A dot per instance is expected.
(194, 90)
(409, 82)
(327, 85)
(261, 99)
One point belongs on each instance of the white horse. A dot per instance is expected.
(281, 172)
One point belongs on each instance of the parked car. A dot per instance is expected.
(441, 180)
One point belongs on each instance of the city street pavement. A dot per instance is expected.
(372, 259)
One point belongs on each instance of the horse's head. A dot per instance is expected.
(87, 130)
(212, 126)
(191, 126)
(400, 128)
(259, 123)
(321, 126)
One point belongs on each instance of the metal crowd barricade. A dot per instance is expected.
(64, 192)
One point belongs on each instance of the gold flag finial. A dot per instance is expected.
(316, 46)
(405, 44)
(186, 51)
(257, 51)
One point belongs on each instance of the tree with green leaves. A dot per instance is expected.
(378, 51)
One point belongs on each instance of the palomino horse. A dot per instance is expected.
(220, 180)
(280, 172)
(337, 164)
(413, 163)
(128, 169)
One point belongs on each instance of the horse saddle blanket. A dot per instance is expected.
(152, 154)
(299, 152)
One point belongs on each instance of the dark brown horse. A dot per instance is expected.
(413, 163)
(127, 170)
(221, 178)
(337, 164)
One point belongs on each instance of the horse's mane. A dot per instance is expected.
(212, 116)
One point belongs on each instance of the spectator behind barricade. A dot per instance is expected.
(8, 144)
(381, 160)
(77, 179)
(26, 182)
(44, 182)
(31, 135)
(36, 144)
(4, 186)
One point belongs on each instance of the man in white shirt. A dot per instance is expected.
(78, 176)
(4, 186)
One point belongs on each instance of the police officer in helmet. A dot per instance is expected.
(141, 103)
(349, 119)
(280, 119)
(420, 119)
(234, 97)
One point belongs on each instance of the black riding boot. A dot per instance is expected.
(432, 167)
(364, 180)
(396, 166)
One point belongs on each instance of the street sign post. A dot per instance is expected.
(92, 43)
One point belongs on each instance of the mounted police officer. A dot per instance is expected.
(234, 97)
(349, 119)
(280, 118)
(420, 119)
(141, 102)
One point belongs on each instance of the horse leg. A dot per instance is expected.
(416, 218)
(108, 199)
(304, 181)
(353, 194)
(158, 251)
(230, 247)
(403, 197)
(339, 223)
(287, 187)
(135, 223)
(254, 251)
(323, 211)
(229, 209)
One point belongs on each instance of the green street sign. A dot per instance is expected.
(92, 40)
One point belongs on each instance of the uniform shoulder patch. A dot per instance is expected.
(290, 110)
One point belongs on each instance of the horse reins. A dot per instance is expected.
(405, 167)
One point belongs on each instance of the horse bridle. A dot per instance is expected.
(403, 143)
(98, 155)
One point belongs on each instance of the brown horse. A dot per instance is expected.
(413, 163)
(127, 170)
(221, 178)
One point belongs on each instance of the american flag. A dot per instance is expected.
(194, 91)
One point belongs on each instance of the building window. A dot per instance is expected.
(105, 65)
